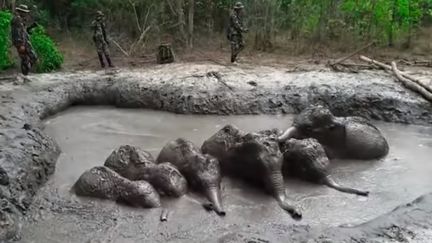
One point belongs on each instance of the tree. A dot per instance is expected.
(191, 14)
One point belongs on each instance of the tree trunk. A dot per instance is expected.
(181, 20)
(371, 19)
(191, 14)
(408, 41)
(321, 24)
(209, 19)
(392, 23)
(7, 5)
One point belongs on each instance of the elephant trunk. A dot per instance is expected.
(214, 196)
(277, 188)
(328, 181)
(291, 132)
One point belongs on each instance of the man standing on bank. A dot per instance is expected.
(100, 39)
(21, 38)
(236, 30)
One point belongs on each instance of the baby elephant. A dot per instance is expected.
(202, 171)
(307, 159)
(255, 157)
(102, 182)
(342, 137)
(136, 164)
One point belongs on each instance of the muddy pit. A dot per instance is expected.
(87, 135)
(52, 214)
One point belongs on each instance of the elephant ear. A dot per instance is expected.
(250, 148)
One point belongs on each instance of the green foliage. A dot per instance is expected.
(5, 43)
(387, 21)
(49, 56)
(384, 20)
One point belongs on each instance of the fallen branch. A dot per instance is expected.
(416, 63)
(388, 67)
(352, 68)
(140, 40)
(371, 61)
(410, 84)
(359, 66)
(340, 60)
(120, 48)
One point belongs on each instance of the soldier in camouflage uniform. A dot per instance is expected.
(100, 39)
(236, 30)
(21, 39)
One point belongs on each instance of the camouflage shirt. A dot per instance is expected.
(236, 26)
(19, 31)
(99, 33)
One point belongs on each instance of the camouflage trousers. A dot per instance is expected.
(101, 47)
(29, 54)
(237, 45)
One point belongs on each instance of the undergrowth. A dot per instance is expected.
(49, 57)
(5, 42)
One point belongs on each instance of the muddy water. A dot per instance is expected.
(87, 135)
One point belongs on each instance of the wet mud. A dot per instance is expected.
(28, 155)
(395, 180)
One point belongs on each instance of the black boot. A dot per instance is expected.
(109, 60)
(101, 60)
(233, 58)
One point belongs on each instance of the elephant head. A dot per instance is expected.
(202, 171)
(314, 122)
(135, 164)
(255, 157)
(307, 159)
(208, 178)
(129, 161)
(342, 137)
(102, 182)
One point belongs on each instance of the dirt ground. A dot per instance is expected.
(29, 156)
(263, 83)
(88, 59)
(80, 54)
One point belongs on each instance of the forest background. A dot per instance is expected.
(283, 27)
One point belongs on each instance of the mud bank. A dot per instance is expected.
(28, 156)
(394, 180)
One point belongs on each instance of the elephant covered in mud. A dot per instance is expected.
(136, 164)
(342, 137)
(255, 157)
(102, 182)
(202, 171)
(307, 159)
